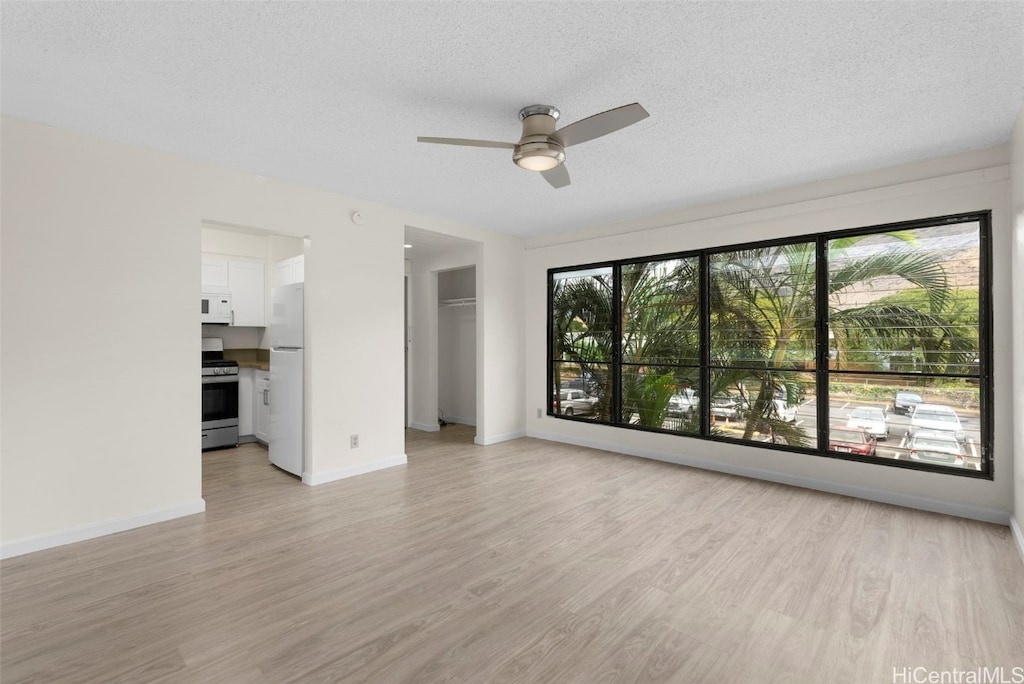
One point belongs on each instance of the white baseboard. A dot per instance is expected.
(992, 515)
(101, 529)
(1018, 536)
(494, 439)
(461, 420)
(314, 479)
(425, 427)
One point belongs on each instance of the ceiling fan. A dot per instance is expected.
(542, 148)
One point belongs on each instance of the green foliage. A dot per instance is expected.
(648, 396)
(762, 324)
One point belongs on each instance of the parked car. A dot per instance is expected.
(904, 403)
(936, 447)
(684, 402)
(783, 411)
(872, 420)
(937, 418)
(574, 402)
(587, 383)
(727, 406)
(851, 441)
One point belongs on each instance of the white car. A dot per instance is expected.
(574, 402)
(937, 418)
(870, 419)
(683, 403)
(783, 411)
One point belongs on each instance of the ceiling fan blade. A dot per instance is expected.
(468, 143)
(558, 176)
(600, 124)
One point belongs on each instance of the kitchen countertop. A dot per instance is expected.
(250, 358)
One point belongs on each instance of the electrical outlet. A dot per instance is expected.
(540, 413)
(353, 442)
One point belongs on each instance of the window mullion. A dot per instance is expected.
(705, 344)
(821, 325)
(616, 360)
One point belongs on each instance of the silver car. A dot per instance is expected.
(936, 447)
(937, 418)
(870, 419)
(684, 402)
(574, 402)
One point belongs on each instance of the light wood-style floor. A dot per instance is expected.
(519, 562)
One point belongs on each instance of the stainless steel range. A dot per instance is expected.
(220, 396)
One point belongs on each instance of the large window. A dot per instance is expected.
(659, 306)
(871, 344)
(762, 333)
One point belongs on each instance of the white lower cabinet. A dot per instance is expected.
(245, 401)
(261, 406)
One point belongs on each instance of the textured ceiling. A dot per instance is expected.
(743, 97)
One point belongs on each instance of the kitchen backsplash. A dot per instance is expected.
(249, 357)
(235, 338)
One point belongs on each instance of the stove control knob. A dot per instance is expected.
(218, 371)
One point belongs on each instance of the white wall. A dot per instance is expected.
(233, 242)
(280, 248)
(457, 284)
(105, 239)
(966, 183)
(500, 336)
(1017, 195)
(100, 273)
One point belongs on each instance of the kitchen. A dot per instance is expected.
(252, 346)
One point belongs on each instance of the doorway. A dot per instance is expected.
(456, 346)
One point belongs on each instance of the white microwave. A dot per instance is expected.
(217, 308)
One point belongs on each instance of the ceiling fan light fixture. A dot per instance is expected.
(542, 148)
(538, 156)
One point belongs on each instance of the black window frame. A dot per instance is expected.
(821, 372)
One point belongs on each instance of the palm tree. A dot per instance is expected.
(581, 331)
(763, 314)
(660, 336)
(762, 319)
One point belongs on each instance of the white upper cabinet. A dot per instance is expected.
(290, 271)
(247, 280)
(214, 270)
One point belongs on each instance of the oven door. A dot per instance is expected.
(220, 401)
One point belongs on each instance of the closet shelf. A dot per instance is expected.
(464, 301)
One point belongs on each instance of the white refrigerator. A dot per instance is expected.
(286, 363)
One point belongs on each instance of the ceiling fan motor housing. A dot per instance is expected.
(537, 150)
